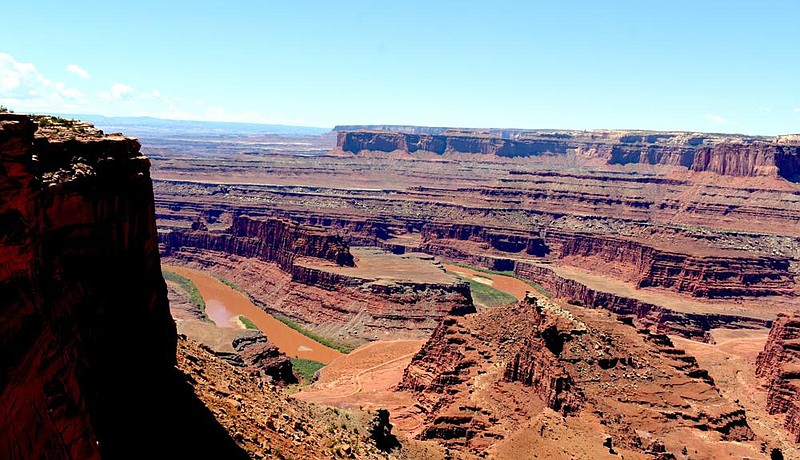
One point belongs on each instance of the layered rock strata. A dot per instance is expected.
(88, 344)
(310, 277)
(574, 363)
(725, 155)
(779, 368)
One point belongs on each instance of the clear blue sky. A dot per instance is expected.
(724, 66)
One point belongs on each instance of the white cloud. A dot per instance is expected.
(23, 87)
(79, 71)
(797, 110)
(118, 91)
(718, 119)
(766, 109)
(153, 94)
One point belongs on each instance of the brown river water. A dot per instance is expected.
(224, 305)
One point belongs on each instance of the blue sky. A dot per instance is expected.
(721, 66)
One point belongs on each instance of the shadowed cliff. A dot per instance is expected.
(87, 361)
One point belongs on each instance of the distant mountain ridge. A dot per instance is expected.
(149, 126)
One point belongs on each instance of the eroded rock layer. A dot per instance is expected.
(725, 155)
(779, 367)
(81, 287)
(484, 377)
(310, 276)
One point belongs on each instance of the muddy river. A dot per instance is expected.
(224, 305)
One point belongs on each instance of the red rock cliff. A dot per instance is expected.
(84, 307)
(779, 367)
(726, 155)
(271, 240)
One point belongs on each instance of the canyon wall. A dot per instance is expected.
(720, 154)
(272, 240)
(86, 325)
(779, 368)
(723, 275)
(692, 325)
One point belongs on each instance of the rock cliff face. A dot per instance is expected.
(702, 276)
(779, 367)
(758, 159)
(660, 318)
(574, 363)
(725, 155)
(85, 321)
(271, 240)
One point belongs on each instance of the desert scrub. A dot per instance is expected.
(187, 286)
(340, 347)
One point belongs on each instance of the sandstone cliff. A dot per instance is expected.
(271, 240)
(779, 367)
(721, 154)
(88, 344)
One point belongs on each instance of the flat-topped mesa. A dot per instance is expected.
(779, 368)
(81, 286)
(721, 154)
(272, 240)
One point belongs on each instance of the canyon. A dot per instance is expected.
(638, 249)
(673, 235)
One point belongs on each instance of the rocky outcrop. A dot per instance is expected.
(257, 352)
(84, 313)
(538, 355)
(720, 154)
(779, 368)
(272, 240)
(757, 159)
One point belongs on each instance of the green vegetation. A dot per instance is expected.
(248, 323)
(188, 286)
(4, 109)
(306, 368)
(49, 120)
(536, 286)
(486, 270)
(488, 296)
(341, 347)
(230, 284)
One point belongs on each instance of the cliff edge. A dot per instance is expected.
(87, 367)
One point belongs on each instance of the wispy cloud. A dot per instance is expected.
(23, 87)
(797, 110)
(117, 92)
(79, 71)
(718, 119)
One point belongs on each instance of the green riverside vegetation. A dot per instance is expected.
(487, 295)
(341, 347)
(188, 286)
(248, 323)
(230, 284)
(536, 286)
(306, 368)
